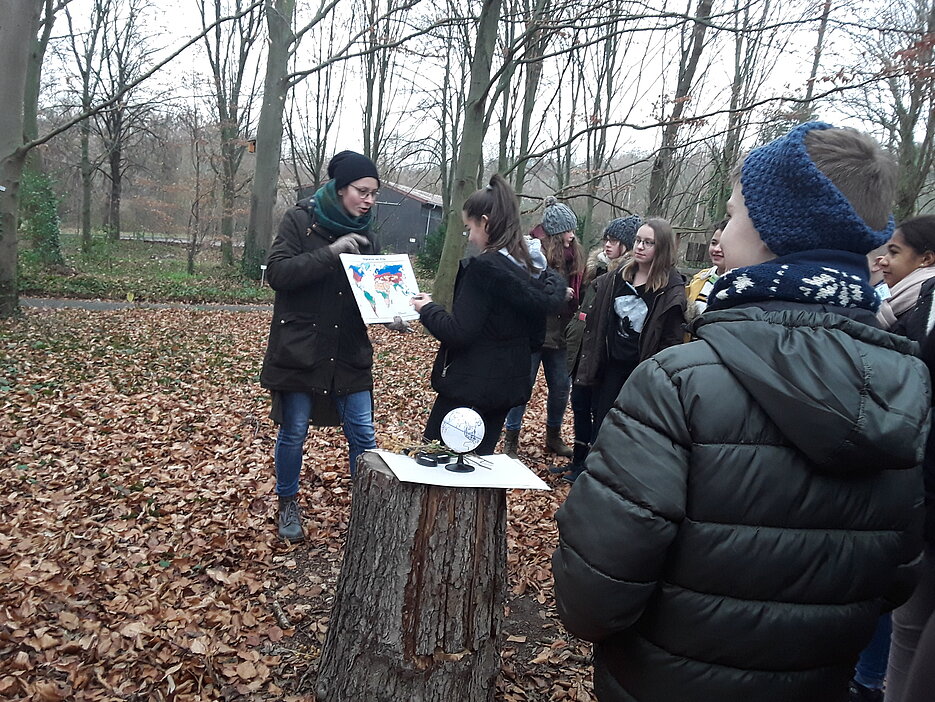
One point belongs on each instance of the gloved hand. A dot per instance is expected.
(399, 324)
(349, 243)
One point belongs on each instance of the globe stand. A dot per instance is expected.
(462, 431)
(459, 466)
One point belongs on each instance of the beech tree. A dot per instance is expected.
(466, 177)
(86, 54)
(121, 124)
(314, 109)
(20, 20)
(664, 166)
(230, 49)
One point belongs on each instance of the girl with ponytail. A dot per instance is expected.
(497, 318)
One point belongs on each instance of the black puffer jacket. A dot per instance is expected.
(751, 505)
(498, 320)
(317, 340)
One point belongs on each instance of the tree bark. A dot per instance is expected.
(20, 19)
(419, 607)
(269, 136)
(464, 179)
(662, 177)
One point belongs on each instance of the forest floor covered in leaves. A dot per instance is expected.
(138, 554)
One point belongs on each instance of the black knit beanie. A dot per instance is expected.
(348, 166)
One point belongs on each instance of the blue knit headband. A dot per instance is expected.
(796, 207)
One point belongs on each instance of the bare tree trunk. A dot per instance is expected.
(419, 605)
(229, 51)
(536, 42)
(87, 172)
(20, 19)
(806, 108)
(34, 78)
(465, 177)
(90, 78)
(269, 136)
(916, 109)
(114, 161)
(229, 163)
(661, 177)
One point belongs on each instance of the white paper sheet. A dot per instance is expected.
(383, 286)
(496, 471)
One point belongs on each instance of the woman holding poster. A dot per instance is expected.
(497, 320)
(319, 358)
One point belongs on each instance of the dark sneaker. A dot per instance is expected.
(290, 520)
(573, 476)
(859, 693)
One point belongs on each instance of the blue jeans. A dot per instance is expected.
(356, 411)
(871, 666)
(555, 367)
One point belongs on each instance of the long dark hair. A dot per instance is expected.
(554, 252)
(919, 233)
(665, 255)
(498, 203)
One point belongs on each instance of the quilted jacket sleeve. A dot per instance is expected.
(623, 513)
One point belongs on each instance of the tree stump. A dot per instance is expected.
(419, 604)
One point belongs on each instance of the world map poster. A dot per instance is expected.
(383, 286)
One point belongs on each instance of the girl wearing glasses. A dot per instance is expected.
(497, 317)
(637, 312)
(319, 358)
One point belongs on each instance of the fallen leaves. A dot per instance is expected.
(138, 557)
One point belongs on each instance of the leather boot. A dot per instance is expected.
(511, 442)
(554, 443)
(290, 520)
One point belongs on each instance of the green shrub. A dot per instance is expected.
(431, 255)
(39, 217)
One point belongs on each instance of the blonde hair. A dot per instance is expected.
(665, 255)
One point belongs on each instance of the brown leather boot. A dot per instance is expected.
(554, 443)
(511, 442)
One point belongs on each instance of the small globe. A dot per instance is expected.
(462, 430)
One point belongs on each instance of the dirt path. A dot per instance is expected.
(62, 303)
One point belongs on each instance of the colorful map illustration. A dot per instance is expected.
(383, 286)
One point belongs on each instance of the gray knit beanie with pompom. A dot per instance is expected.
(558, 218)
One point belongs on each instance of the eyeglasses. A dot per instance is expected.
(364, 193)
(648, 243)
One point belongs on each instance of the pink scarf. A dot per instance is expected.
(903, 296)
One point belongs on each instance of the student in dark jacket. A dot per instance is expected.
(616, 246)
(909, 675)
(758, 489)
(907, 266)
(563, 253)
(497, 320)
(636, 313)
(319, 358)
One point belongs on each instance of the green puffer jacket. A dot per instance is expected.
(752, 503)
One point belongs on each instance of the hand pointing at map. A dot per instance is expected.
(421, 300)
